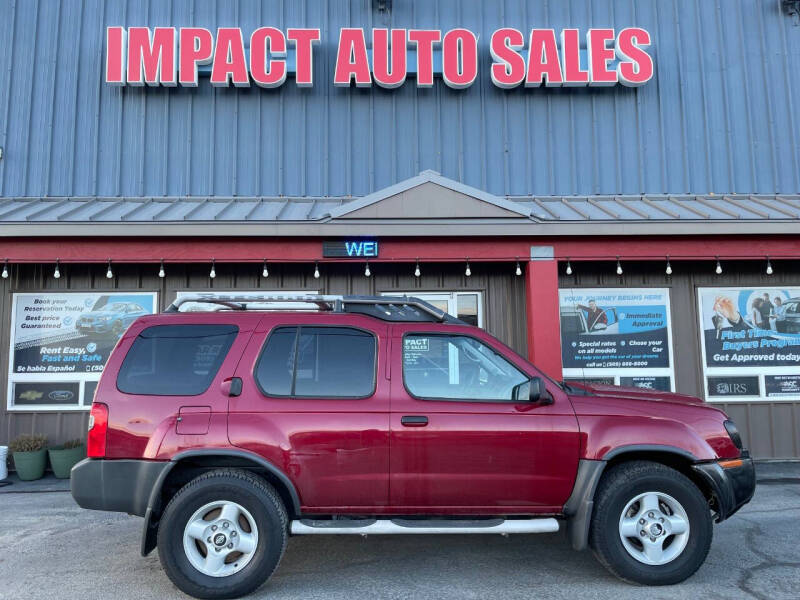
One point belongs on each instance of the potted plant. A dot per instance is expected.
(30, 456)
(66, 456)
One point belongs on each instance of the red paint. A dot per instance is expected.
(352, 61)
(152, 61)
(116, 51)
(544, 336)
(197, 48)
(571, 57)
(267, 72)
(636, 66)
(304, 40)
(424, 39)
(508, 70)
(459, 58)
(600, 55)
(230, 63)
(543, 59)
(389, 60)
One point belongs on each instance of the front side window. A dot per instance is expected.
(457, 367)
(175, 360)
(318, 362)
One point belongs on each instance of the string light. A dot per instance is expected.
(264, 270)
(669, 267)
(57, 272)
(569, 267)
(417, 272)
(619, 267)
(5, 269)
(161, 272)
(718, 270)
(367, 272)
(769, 267)
(468, 271)
(109, 272)
(518, 270)
(213, 272)
(316, 270)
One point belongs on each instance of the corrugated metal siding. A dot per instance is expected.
(769, 429)
(503, 298)
(720, 115)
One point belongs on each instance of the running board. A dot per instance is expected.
(420, 526)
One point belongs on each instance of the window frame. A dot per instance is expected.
(298, 327)
(235, 333)
(470, 400)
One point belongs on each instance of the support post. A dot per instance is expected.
(544, 332)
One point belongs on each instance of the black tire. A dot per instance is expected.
(619, 486)
(248, 490)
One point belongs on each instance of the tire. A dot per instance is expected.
(673, 557)
(260, 519)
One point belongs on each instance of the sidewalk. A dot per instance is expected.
(767, 472)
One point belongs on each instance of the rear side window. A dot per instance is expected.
(175, 360)
(318, 362)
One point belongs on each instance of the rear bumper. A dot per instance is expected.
(732, 481)
(116, 485)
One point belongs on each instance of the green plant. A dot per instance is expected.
(28, 443)
(76, 443)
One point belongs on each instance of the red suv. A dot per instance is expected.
(230, 430)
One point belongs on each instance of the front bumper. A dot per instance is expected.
(733, 483)
(117, 485)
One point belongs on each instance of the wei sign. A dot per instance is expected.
(169, 56)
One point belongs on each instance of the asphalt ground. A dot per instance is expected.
(51, 548)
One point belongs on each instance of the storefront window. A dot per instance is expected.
(467, 306)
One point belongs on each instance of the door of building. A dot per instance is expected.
(467, 306)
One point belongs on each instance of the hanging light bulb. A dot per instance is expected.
(213, 272)
(569, 268)
(468, 271)
(769, 267)
(109, 272)
(161, 272)
(264, 270)
(316, 271)
(5, 269)
(417, 272)
(669, 267)
(619, 267)
(367, 272)
(518, 270)
(718, 270)
(56, 273)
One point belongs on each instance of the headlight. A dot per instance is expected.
(733, 432)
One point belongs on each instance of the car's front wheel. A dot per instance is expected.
(651, 524)
(223, 534)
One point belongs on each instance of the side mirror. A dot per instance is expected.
(539, 393)
(232, 386)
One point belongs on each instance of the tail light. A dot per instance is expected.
(98, 427)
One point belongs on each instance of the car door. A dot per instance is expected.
(315, 403)
(459, 442)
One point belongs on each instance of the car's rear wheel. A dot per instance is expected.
(223, 534)
(651, 524)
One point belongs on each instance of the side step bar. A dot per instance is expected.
(418, 526)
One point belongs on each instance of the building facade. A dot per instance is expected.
(612, 188)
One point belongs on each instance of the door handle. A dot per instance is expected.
(414, 421)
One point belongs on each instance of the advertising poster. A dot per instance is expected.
(61, 341)
(750, 341)
(617, 335)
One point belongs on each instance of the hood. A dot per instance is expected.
(634, 393)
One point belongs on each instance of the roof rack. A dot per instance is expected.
(387, 308)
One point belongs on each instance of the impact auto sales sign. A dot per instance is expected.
(169, 56)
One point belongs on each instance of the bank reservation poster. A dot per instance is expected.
(750, 342)
(60, 343)
(618, 336)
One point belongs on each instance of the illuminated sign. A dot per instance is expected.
(169, 56)
(350, 249)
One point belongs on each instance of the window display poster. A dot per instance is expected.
(60, 342)
(750, 341)
(618, 333)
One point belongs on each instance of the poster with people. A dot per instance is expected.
(750, 342)
(617, 335)
(60, 343)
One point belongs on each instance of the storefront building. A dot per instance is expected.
(611, 188)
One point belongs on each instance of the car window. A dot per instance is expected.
(457, 367)
(318, 362)
(175, 360)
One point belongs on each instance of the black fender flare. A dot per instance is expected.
(150, 528)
